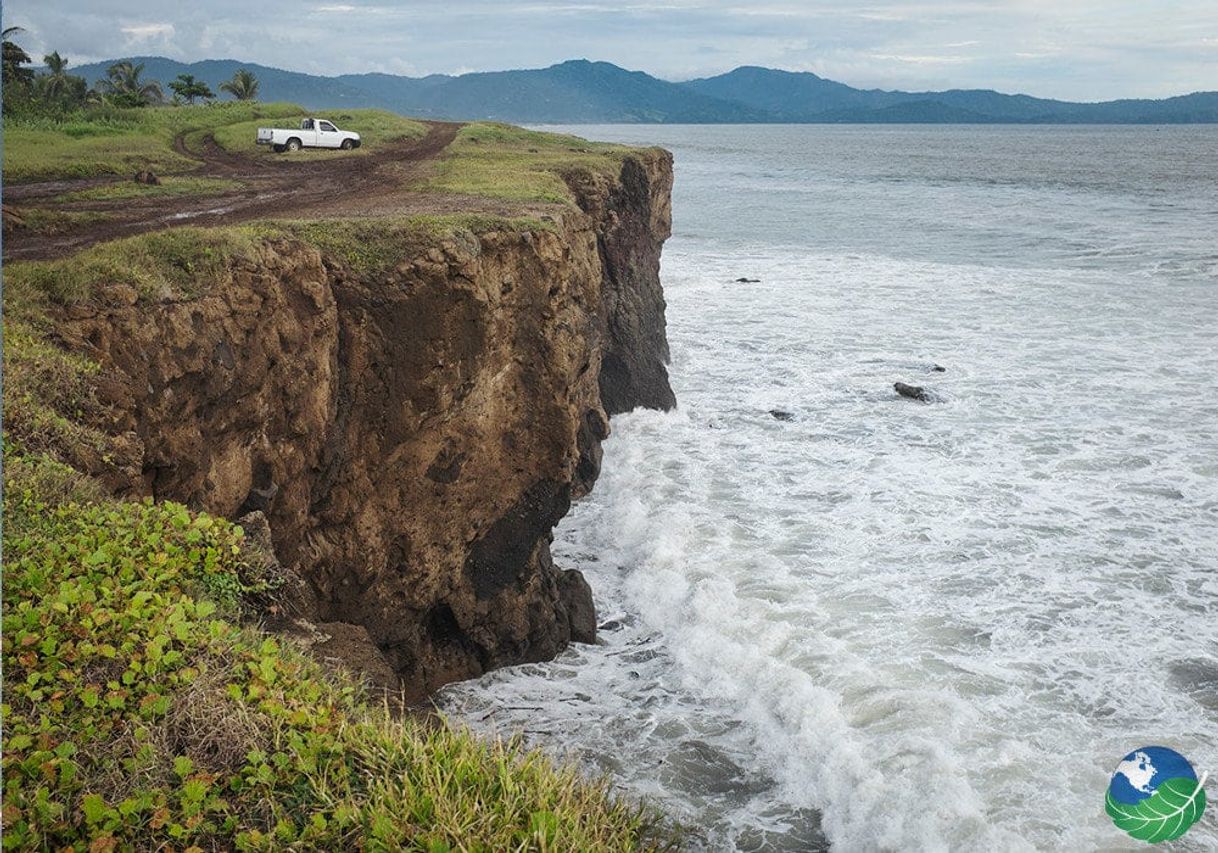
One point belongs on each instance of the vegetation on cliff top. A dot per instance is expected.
(114, 140)
(503, 161)
(185, 262)
(118, 141)
(486, 159)
(139, 713)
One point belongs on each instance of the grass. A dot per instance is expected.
(42, 221)
(375, 127)
(49, 401)
(138, 714)
(181, 263)
(175, 263)
(371, 248)
(118, 141)
(501, 161)
(169, 186)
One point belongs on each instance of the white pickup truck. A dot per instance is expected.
(312, 133)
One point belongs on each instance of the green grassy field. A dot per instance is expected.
(502, 161)
(118, 141)
(373, 126)
(486, 159)
(141, 710)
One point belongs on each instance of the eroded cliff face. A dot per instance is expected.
(634, 217)
(412, 440)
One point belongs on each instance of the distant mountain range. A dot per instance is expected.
(583, 92)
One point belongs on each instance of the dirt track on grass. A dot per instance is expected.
(286, 186)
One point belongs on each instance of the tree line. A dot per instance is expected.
(56, 91)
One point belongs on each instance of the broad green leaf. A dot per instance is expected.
(94, 808)
(1168, 813)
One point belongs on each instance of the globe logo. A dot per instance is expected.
(1155, 794)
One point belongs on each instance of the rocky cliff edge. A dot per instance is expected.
(407, 438)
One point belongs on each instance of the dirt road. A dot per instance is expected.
(279, 187)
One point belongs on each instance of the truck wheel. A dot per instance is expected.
(293, 144)
(277, 148)
(347, 145)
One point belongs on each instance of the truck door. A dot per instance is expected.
(327, 135)
(308, 133)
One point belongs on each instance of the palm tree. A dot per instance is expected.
(125, 88)
(188, 88)
(57, 80)
(14, 57)
(243, 86)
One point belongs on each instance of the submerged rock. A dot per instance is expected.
(782, 415)
(913, 392)
(938, 368)
(744, 280)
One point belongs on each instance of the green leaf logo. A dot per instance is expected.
(1175, 806)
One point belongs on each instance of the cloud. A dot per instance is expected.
(922, 60)
(148, 32)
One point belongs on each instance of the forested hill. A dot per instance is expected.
(579, 91)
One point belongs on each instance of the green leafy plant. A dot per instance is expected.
(139, 714)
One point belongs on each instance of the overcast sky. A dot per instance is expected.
(1076, 49)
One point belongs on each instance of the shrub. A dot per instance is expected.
(139, 715)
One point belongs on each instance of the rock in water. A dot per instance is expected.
(938, 368)
(748, 281)
(913, 392)
(782, 415)
(146, 176)
(576, 595)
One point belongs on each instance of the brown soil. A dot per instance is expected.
(373, 183)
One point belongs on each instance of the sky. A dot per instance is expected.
(1083, 50)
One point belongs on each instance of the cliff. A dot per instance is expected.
(410, 433)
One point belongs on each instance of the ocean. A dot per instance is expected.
(884, 624)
